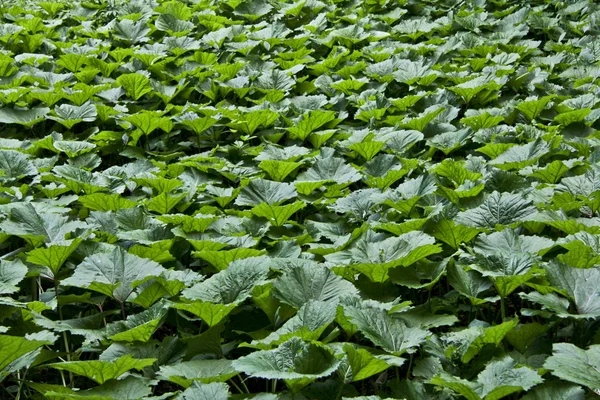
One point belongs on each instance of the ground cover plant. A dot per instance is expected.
(299, 200)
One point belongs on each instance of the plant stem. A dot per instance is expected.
(236, 386)
(409, 367)
(339, 393)
(65, 338)
(244, 384)
(21, 380)
(502, 309)
(123, 314)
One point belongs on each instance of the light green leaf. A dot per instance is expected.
(102, 371)
(220, 259)
(310, 122)
(392, 335)
(106, 202)
(53, 256)
(277, 215)
(532, 108)
(211, 313)
(11, 273)
(129, 388)
(14, 347)
(452, 234)
(361, 364)
(139, 327)
(136, 85)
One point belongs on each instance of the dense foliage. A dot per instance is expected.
(317, 199)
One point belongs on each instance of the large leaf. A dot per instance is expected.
(232, 285)
(301, 284)
(102, 371)
(294, 359)
(115, 274)
(573, 364)
(497, 209)
(391, 334)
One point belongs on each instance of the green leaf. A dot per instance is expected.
(452, 234)
(53, 256)
(220, 259)
(15, 165)
(482, 121)
(582, 286)
(329, 168)
(497, 209)
(470, 341)
(211, 313)
(15, 347)
(500, 379)
(263, 191)
(207, 391)
(25, 221)
(102, 371)
(368, 149)
(518, 157)
(233, 285)
(532, 108)
(570, 117)
(278, 170)
(115, 274)
(294, 359)
(573, 364)
(556, 390)
(390, 334)
(523, 335)
(139, 327)
(11, 274)
(301, 284)
(23, 117)
(468, 283)
(308, 324)
(106, 202)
